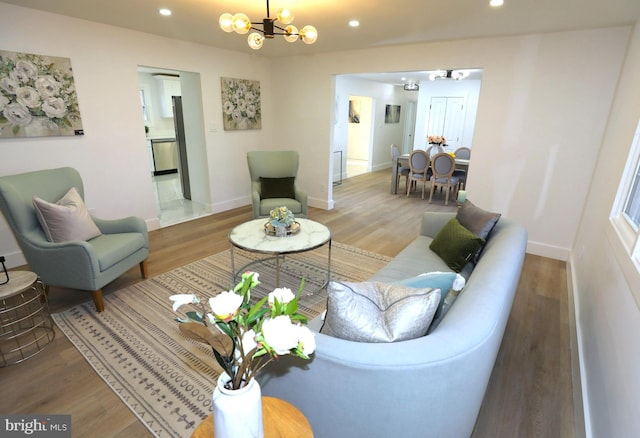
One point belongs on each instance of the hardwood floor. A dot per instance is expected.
(530, 392)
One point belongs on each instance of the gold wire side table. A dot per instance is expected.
(26, 326)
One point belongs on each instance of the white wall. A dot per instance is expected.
(112, 155)
(608, 317)
(538, 127)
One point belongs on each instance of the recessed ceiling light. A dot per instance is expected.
(496, 3)
(166, 12)
(354, 23)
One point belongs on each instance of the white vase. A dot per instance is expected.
(237, 412)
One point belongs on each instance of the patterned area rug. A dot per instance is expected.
(164, 378)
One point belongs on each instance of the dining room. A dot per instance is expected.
(443, 105)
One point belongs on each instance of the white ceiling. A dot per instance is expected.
(382, 22)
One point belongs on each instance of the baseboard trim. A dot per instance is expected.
(13, 260)
(580, 407)
(550, 251)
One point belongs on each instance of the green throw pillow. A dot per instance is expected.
(277, 187)
(456, 245)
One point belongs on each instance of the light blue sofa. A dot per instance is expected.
(427, 387)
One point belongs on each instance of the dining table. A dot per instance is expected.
(403, 161)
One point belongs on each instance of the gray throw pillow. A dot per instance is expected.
(477, 220)
(68, 219)
(378, 312)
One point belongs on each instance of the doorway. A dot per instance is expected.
(359, 135)
(409, 127)
(172, 111)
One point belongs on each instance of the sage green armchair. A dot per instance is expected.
(281, 169)
(77, 264)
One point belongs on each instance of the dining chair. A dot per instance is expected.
(419, 170)
(443, 166)
(464, 153)
(402, 170)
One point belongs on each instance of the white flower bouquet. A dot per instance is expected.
(245, 337)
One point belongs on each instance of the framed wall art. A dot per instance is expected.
(354, 110)
(392, 114)
(37, 96)
(240, 104)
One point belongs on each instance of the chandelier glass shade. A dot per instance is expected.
(267, 28)
(449, 74)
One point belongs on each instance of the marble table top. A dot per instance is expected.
(251, 236)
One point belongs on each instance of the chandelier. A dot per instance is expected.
(241, 24)
(448, 74)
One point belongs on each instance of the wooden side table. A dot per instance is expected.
(25, 323)
(280, 420)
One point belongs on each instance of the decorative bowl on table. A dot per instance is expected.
(281, 223)
(288, 230)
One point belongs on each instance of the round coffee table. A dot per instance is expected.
(251, 236)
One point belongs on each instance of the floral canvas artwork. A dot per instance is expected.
(37, 96)
(241, 104)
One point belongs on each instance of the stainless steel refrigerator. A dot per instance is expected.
(178, 121)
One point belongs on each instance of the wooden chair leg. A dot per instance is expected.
(97, 300)
(433, 186)
(143, 269)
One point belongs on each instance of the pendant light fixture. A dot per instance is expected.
(241, 24)
(449, 74)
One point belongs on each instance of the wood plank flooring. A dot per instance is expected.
(530, 392)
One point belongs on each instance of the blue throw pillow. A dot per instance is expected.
(437, 280)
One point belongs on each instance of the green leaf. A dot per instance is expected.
(256, 316)
(257, 307)
(299, 317)
(225, 328)
(195, 316)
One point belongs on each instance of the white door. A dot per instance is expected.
(446, 118)
(454, 122)
(409, 127)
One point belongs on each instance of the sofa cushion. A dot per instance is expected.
(378, 312)
(477, 220)
(447, 282)
(456, 245)
(67, 219)
(113, 248)
(277, 187)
